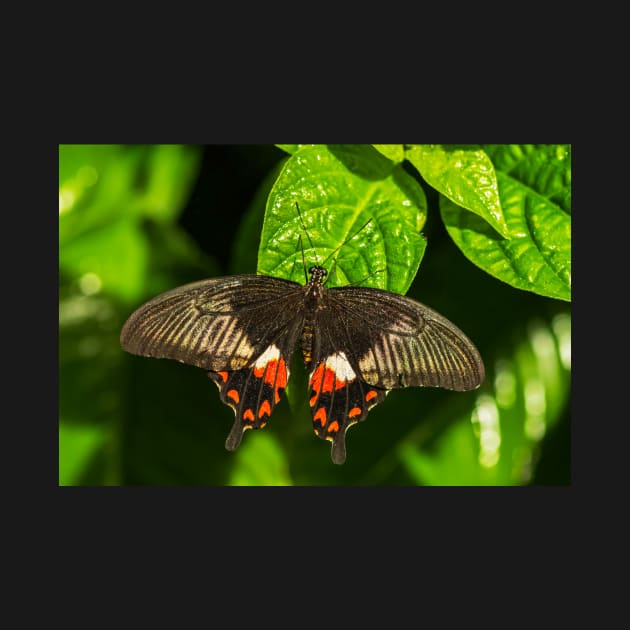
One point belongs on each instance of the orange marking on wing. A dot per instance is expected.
(371, 394)
(329, 380)
(276, 373)
(281, 379)
(316, 379)
(355, 411)
(248, 415)
(265, 408)
(320, 415)
(311, 402)
(333, 427)
(259, 371)
(270, 372)
(233, 394)
(224, 376)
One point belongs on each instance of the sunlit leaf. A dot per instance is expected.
(465, 175)
(497, 442)
(395, 152)
(291, 148)
(545, 168)
(357, 206)
(537, 255)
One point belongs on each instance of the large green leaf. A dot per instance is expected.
(395, 152)
(292, 148)
(545, 168)
(358, 208)
(463, 174)
(537, 255)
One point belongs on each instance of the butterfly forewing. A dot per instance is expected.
(393, 341)
(224, 326)
(217, 324)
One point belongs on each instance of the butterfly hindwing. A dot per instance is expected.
(253, 392)
(338, 399)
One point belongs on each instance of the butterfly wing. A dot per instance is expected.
(399, 342)
(370, 341)
(242, 329)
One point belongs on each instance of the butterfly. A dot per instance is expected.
(358, 343)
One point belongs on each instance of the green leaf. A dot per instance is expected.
(545, 168)
(463, 174)
(395, 152)
(260, 461)
(497, 442)
(292, 148)
(358, 208)
(537, 256)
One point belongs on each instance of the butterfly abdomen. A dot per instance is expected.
(307, 343)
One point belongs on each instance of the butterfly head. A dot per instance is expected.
(317, 274)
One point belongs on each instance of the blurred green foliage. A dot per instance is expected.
(137, 220)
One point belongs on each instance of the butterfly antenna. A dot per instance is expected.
(303, 259)
(299, 246)
(297, 207)
(334, 264)
(359, 282)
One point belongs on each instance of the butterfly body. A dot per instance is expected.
(357, 343)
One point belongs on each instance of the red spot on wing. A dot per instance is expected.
(324, 379)
(333, 427)
(371, 394)
(312, 401)
(248, 415)
(233, 394)
(265, 409)
(355, 411)
(329, 380)
(274, 373)
(279, 375)
(224, 376)
(320, 415)
(316, 379)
